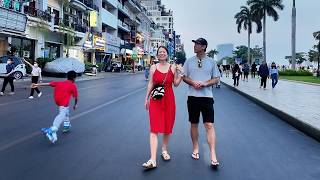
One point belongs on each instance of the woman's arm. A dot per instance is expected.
(27, 62)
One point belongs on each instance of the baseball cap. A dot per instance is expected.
(201, 41)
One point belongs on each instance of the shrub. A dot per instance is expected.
(291, 72)
(43, 61)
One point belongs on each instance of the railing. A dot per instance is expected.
(74, 24)
(123, 24)
(33, 12)
(123, 8)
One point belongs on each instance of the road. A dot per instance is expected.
(109, 138)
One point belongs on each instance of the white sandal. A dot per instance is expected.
(165, 155)
(150, 164)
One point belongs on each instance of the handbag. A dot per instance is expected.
(158, 89)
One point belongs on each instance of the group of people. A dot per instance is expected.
(241, 71)
(200, 73)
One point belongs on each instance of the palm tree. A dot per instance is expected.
(316, 35)
(293, 36)
(212, 53)
(263, 8)
(245, 18)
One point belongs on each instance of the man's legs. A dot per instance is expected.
(4, 85)
(63, 111)
(11, 83)
(194, 137)
(211, 139)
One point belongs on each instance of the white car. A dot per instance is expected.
(64, 65)
(19, 70)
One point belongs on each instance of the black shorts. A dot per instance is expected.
(203, 105)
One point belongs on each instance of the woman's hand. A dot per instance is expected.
(147, 104)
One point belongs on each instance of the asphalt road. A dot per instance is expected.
(109, 138)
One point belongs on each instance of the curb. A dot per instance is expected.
(298, 124)
(301, 82)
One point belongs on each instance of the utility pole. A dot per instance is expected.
(293, 36)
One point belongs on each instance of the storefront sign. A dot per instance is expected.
(93, 18)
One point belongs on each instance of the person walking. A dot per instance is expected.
(274, 74)
(162, 111)
(147, 72)
(8, 77)
(201, 73)
(236, 75)
(246, 70)
(253, 70)
(63, 90)
(35, 77)
(263, 73)
(218, 85)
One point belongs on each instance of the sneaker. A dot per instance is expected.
(54, 137)
(1, 93)
(48, 133)
(66, 126)
(39, 95)
(11, 93)
(30, 97)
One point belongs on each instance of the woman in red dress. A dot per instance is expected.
(162, 111)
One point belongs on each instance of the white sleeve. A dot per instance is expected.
(186, 68)
(215, 70)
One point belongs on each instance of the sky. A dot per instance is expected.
(214, 20)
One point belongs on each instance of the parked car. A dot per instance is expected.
(64, 65)
(19, 70)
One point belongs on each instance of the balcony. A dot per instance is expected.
(113, 3)
(11, 20)
(124, 10)
(36, 13)
(84, 5)
(108, 18)
(72, 25)
(133, 5)
(123, 26)
(112, 40)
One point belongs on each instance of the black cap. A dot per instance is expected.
(201, 41)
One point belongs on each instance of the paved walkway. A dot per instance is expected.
(297, 103)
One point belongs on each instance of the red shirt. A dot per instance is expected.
(63, 91)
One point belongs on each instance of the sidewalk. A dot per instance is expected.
(296, 103)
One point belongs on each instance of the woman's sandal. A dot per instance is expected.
(195, 156)
(214, 164)
(165, 156)
(150, 164)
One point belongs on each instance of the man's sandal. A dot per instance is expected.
(165, 156)
(195, 156)
(150, 164)
(214, 164)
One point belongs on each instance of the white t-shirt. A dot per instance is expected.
(36, 71)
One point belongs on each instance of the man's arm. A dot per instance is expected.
(211, 82)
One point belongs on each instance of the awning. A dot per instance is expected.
(13, 33)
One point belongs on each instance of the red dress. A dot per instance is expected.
(162, 112)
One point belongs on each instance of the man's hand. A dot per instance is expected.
(197, 84)
(75, 107)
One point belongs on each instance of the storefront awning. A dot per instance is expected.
(13, 33)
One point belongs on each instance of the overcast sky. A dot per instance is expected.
(214, 20)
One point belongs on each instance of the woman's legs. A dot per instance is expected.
(165, 142)
(153, 146)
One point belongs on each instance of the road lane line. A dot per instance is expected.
(34, 134)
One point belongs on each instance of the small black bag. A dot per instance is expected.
(158, 89)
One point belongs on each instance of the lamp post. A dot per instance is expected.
(293, 36)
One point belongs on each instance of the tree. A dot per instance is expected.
(316, 35)
(293, 35)
(244, 19)
(299, 56)
(263, 8)
(312, 55)
(212, 53)
(241, 52)
(181, 57)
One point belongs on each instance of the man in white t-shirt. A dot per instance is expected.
(201, 73)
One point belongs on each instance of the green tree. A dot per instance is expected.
(316, 35)
(241, 52)
(312, 55)
(181, 57)
(263, 8)
(212, 53)
(245, 19)
(68, 32)
(300, 57)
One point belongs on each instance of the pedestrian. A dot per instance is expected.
(35, 77)
(253, 70)
(241, 71)
(63, 90)
(227, 70)
(236, 75)
(274, 74)
(246, 70)
(218, 85)
(162, 111)
(147, 72)
(201, 73)
(8, 77)
(263, 73)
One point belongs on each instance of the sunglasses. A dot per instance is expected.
(199, 63)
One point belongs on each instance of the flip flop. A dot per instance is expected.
(215, 164)
(195, 156)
